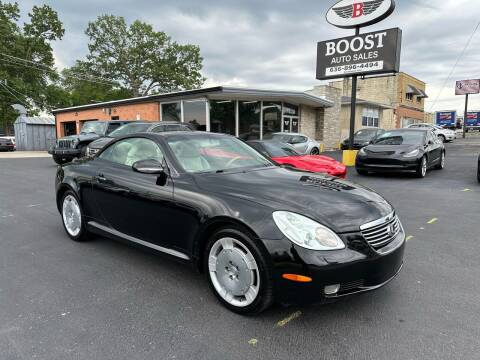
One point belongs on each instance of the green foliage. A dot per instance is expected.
(25, 82)
(141, 59)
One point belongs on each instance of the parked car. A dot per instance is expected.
(136, 127)
(362, 138)
(302, 143)
(7, 143)
(75, 146)
(446, 135)
(478, 169)
(286, 154)
(259, 232)
(413, 150)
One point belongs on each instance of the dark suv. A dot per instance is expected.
(75, 146)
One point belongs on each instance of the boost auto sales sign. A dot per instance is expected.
(377, 52)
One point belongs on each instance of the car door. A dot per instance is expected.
(131, 202)
(300, 143)
(434, 148)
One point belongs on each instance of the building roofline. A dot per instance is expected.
(203, 91)
(346, 101)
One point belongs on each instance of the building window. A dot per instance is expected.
(222, 116)
(409, 96)
(290, 110)
(371, 117)
(419, 100)
(249, 120)
(195, 114)
(171, 111)
(272, 118)
(115, 117)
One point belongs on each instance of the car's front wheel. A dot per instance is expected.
(422, 168)
(441, 163)
(442, 138)
(60, 160)
(72, 217)
(238, 272)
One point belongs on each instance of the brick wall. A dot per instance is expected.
(142, 111)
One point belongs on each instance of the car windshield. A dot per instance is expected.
(365, 134)
(129, 129)
(94, 127)
(208, 153)
(401, 138)
(279, 149)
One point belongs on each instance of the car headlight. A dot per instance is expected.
(74, 143)
(413, 153)
(362, 151)
(306, 232)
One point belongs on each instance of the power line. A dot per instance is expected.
(77, 76)
(11, 93)
(455, 65)
(82, 73)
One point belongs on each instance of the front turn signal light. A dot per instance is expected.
(297, 278)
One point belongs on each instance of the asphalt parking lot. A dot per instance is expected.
(106, 300)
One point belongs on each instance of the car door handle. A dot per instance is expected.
(101, 179)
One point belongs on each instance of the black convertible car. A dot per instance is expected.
(402, 150)
(260, 232)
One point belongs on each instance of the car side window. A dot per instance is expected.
(131, 150)
(160, 128)
(297, 139)
(113, 126)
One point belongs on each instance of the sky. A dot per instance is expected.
(271, 44)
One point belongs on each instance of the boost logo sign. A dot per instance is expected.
(357, 13)
(371, 53)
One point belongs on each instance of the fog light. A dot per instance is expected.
(331, 289)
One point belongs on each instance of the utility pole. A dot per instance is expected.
(465, 116)
(353, 105)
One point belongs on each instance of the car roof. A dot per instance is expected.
(408, 129)
(167, 134)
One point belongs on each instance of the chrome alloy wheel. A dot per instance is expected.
(234, 272)
(424, 166)
(442, 161)
(71, 215)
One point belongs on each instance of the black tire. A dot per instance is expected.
(442, 138)
(361, 172)
(59, 160)
(265, 297)
(441, 164)
(83, 235)
(421, 172)
(315, 151)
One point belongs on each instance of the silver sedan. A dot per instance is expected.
(300, 142)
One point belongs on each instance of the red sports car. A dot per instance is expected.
(287, 155)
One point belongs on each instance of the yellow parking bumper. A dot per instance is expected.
(349, 157)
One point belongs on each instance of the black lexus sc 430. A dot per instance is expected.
(258, 231)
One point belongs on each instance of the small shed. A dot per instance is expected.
(34, 133)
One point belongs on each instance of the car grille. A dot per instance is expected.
(381, 232)
(66, 144)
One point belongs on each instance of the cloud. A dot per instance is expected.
(272, 43)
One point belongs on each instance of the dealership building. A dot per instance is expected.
(246, 113)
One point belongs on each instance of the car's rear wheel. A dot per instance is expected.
(441, 163)
(72, 217)
(315, 151)
(238, 272)
(422, 168)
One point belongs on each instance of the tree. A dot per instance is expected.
(27, 73)
(140, 59)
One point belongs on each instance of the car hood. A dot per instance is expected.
(341, 205)
(390, 149)
(100, 143)
(82, 137)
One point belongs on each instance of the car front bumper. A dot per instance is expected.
(357, 269)
(64, 152)
(387, 164)
(7, 147)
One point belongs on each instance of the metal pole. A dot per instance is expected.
(353, 104)
(465, 114)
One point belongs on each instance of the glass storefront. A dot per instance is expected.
(249, 120)
(195, 114)
(171, 111)
(272, 118)
(222, 116)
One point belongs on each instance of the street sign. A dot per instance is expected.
(447, 118)
(377, 52)
(464, 87)
(350, 14)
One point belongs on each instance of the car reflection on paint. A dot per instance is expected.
(259, 232)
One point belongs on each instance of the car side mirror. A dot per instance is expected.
(148, 167)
